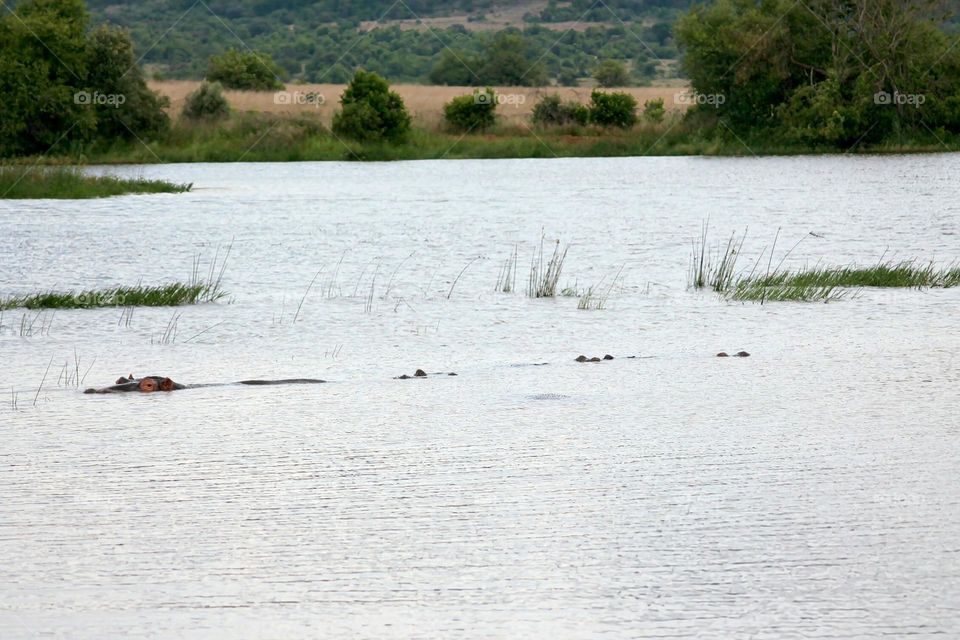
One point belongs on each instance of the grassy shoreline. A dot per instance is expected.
(268, 137)
(31, 182)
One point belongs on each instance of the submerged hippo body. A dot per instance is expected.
(149, 384)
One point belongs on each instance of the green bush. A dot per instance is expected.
(551, 110)
(245, 71)
(654, 111)
(613, 109)
(474, 112)
(611, 73)
(206, 103)
(370, 112)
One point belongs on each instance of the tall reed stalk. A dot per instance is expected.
(543, 279)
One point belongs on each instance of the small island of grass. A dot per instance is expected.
(168, 295)
(69, 183)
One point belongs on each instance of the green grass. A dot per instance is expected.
(818, 284)
(832, 283)
(18, 182)
(749, 291)
(168, 295)
(908, 274)
(268, 137)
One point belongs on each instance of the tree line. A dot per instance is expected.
(838, 73)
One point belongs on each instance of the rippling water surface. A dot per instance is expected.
(807, 491)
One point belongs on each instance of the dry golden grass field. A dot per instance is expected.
(424, 102)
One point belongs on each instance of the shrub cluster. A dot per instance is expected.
(206, 103)
(244, 71)
(370, 112)
(552, 111)
(474, 112)
(606, 110)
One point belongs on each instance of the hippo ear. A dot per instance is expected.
(166, 384)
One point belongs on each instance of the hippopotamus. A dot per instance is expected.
(738, 354)
(146, 384)
(420, 373)
(149, 384)
(582, 358)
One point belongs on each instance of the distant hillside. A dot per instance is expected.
(324, 40)
(315, 12)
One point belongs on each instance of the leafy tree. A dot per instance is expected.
(206, 103)
(742, 51)
(114, 72)
(661, 32)
(644, 68)
(370, 111)
(474, 112)
(454, 69)
(568, 77)
(551, 110)
(245, 71)
(505, 62)
(43, 66)
(611, 73)
(62, 86)
(837, 72)
(613, 109)
(654, 111)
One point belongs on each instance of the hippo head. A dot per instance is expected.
(150, 384)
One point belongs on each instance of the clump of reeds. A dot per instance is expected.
(28, 325)
(591, 299)
(543, 279)
(70, 373)
(705, 270)
(507, 280)
(18, 182)
(819, 284)
(211, 289)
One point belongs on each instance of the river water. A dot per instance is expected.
(809, 490)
